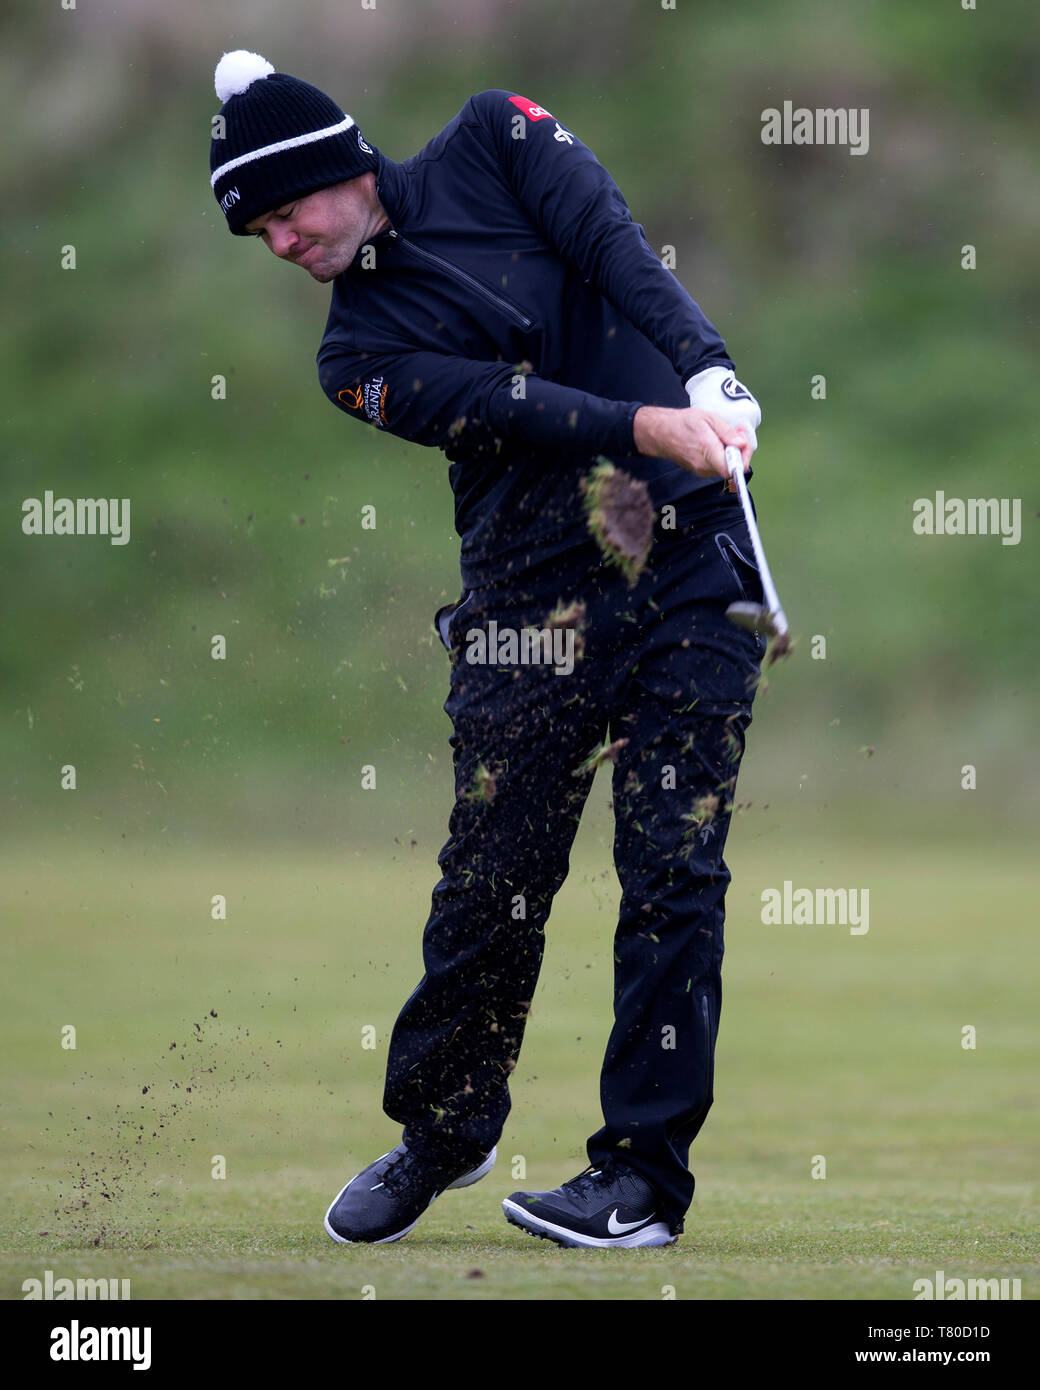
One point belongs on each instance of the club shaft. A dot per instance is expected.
(736, 468)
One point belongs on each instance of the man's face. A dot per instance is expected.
(323, 231)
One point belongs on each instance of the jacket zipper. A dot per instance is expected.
(453, 270)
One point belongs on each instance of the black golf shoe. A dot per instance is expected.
(387, 1198)
(601, 1207)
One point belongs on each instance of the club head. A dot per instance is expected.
(756, 617)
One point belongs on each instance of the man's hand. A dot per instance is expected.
(694, 439)
(718, 390)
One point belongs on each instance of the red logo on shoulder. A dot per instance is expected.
(531, 109)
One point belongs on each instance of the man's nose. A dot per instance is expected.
(283, 240)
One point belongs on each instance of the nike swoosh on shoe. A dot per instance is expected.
(618, 1228)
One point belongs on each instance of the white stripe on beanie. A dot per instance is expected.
(280, 145)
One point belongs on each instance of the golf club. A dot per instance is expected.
(768, 617)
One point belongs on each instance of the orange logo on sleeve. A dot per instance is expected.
(370, 397)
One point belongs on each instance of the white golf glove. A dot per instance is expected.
(718, 390)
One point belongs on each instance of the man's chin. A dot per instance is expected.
(324, 269)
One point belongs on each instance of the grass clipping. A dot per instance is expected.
(620, 517)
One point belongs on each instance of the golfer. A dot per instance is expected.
(493, 298)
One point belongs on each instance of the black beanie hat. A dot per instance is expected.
(282, 139)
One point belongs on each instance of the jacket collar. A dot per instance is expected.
(392, 188)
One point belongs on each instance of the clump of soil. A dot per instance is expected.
(705, 809)
(780, 645)
(483, 785)
(569, 616)
(607, 754)
(620, 517)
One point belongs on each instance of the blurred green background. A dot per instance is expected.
(195, 774)
(809, 259)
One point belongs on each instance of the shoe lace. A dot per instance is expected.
(400, 1174)
(591, 1179)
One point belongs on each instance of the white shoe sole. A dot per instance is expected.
(467, 1180)
(656, 1234)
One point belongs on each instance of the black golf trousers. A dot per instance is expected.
(664, 671)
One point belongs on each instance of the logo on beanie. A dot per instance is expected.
(363, 145)
(230, 198)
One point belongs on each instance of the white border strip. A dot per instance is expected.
(280, 145)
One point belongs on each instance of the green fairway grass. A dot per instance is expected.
(834, 1045)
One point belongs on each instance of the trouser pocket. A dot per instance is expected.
(442, 619)
(742, 567)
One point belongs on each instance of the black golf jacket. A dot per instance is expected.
(515, 317)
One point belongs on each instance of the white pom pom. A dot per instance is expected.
(236, 71)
